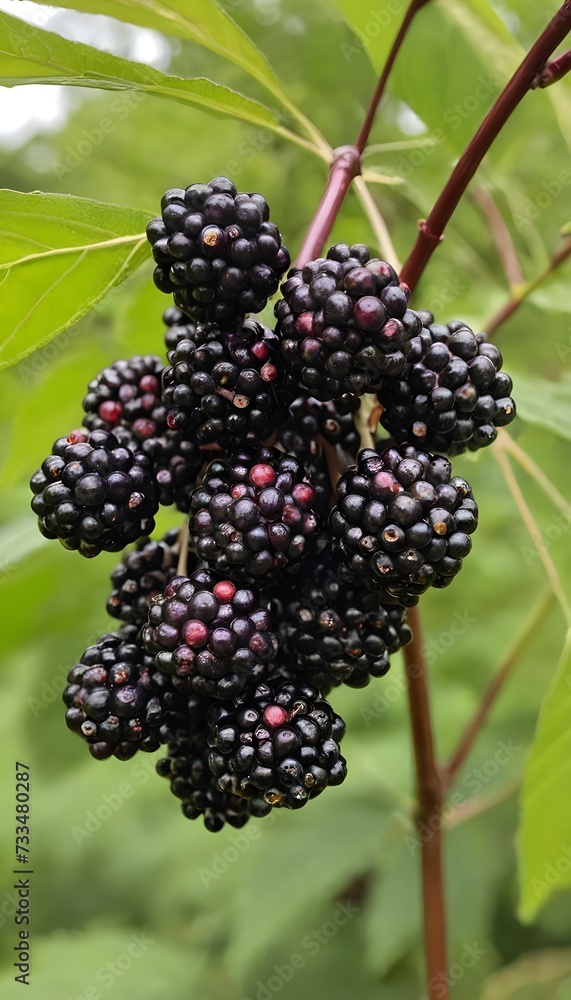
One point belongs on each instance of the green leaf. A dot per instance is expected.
(30, 55)
(393, 914)
(545, 404)
(18, 540)
(375, 30)
(59, 256)
(566, 229)
(544, 836)
(202, 21)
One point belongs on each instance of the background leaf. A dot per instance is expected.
(59, 256)
(30, 55)
(545, 831)
(546, 404)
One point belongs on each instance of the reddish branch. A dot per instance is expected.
(554, 71)
(432, 228)
(429, 814)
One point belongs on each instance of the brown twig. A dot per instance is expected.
(430, 800)
(500, 235)
(555, 70)
(183, 537)
(519, 295)
(496, 684)
(482, 803)
(365, 132)
(432, 228)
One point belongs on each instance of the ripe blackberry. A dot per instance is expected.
(190, 777)
(254, 514)
(332, 629)
(141, 575)
(310, 418)
(114, 698)
(229, 390)
(402, 523)
(217, 251)
(344, 323)
(178, 327)
(177, 461)
(279, 740)
(127, 394)
(94, 494)
(451, 394)
(212, 636)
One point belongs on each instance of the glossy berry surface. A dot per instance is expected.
(141, 575)
(279, 740)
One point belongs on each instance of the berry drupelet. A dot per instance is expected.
(94, 494)
(344, 324)
(141, 575)
(333, 630)
(217, 250)
(127, 394)
(114, 699)
(190, 778)
(279, 740)
(228, 390)
(402, 523)
(254, 514)
(451, 395)
(212, 636)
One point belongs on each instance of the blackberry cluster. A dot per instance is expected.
(94, 494)
(280, 740)
(451, 395)
(217, 251)
(127, 394)
(302, 551)
(211, 636)
(254, 514)
(333, 629)
(141, 575)
(403, 523)
(344, 323)
(190, 778)
(114, 697)
(227, 390)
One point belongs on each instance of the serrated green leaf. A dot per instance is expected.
(202, 21)
(545, 404)
(544, 836)
(30, 55)
(59, 256)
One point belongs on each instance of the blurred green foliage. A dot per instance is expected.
(128, 898)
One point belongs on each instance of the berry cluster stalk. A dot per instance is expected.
(431, 779)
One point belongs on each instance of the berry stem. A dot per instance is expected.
(523, 291)
(555, 70)
(345, 166)
(412, 9)
(432, 228)
(532, 622)
(332, 460)
(183, 539)
(430, 799)
(534, 470)
(500, 235)
(482, 803)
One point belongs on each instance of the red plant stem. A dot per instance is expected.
(431, 229)
(513, 303)
(346, 165)
(365, 132)
(554, 71)
(430, 798)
